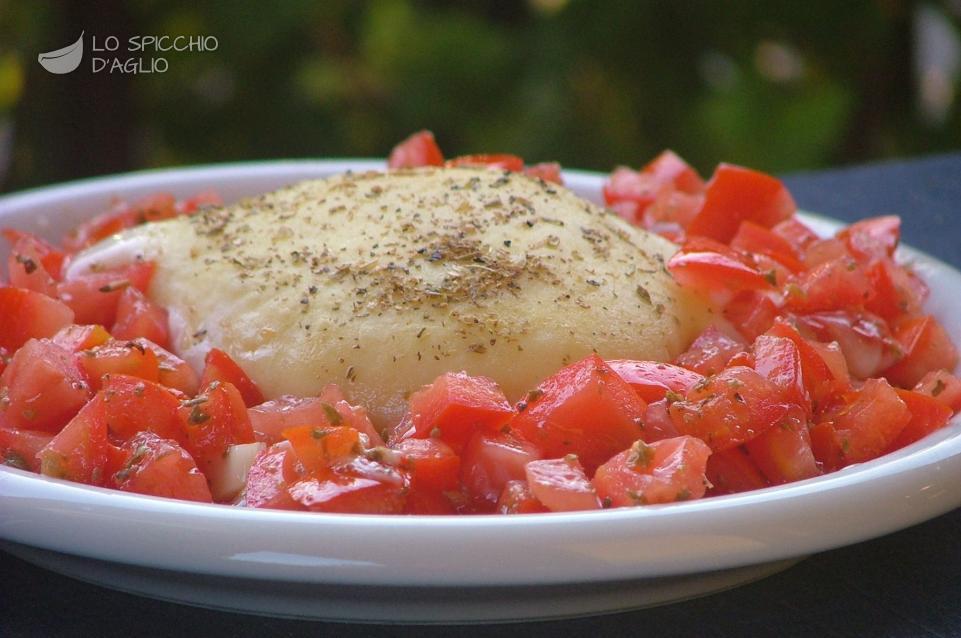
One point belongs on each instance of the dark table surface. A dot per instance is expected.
(903, 584)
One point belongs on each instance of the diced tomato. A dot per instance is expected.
(652, 380)
(729, 408)
(76, 338)
(19, 448)
(629, 211)
(822, 251)
(658, 423)
(119, 357)
(131, 405)
(42, 388)
(669, 168)
(434, 471)
(943, 386)
(822, 366)
(783, 452)
(518, 499)
(561, 485)
(897, 292)
(735, 194)
(270, 477)
(670, 206)
(94, 297)
(733, 471)
(927, 415)
(25, 266)
(627, 185)
(362, 487)
(160, 467)
(271, 418)
(754, 238)
(710, 352)
(354, 416)
(547, 171)
(491, 460)
(25, 314)
(215, 419)
(834, 285)
(81, 451)
(455, 405)
(712, 272)
(502, 161)
(926, 346)
(874, 238)
(796, 233)
(584, 409)
(778, 360)
(660, 472)
(317, 447)
(826, 446)
(137, 316)
(121, 217)
(864, 339)
(218, 366)
(173, 371)
(420, 149)
(751, 312)
(870, 421)
(49, 256)
(199, 201)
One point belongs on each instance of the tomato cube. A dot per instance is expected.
(870, 421)
(118, 357)
(518, 499)
(943, 386)
(215, 419)
(732, 471)
(710, 352)
(19, 448)
(131, 405)
(927, 415)
(160, 467)
(783, 452)
(25, 314)
(81, 452)
(270, 478)
(138, 317)
(420, 149)
(927, 346)
(660, 472)
(652, 380)
(561, 485)
(218, 366)
(94, 297)
(490, 460)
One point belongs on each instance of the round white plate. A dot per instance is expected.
(444, 569)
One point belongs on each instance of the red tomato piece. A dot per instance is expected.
(874, 238)
(670, 207)
(751, 312)
(204, 199)
(729, 408)
(19, 448)
(735, 194)
(26, 268)
(838, 284)
(81, 450)
(362, 487)
(712, 272)
(627, 185)
(783, 452)
(501, 161)
(420, 149)
(174, 372)
(131, 405)
(826, 446)
(354, 416)
(547, 171)
(42, 388)
(864, 339)
(491, 460)
(25, 314)
(215, 419)
(455, 405)
(94, 297)
(754, 238)
(660, 472)
(561, 485)
(870, 421)
(49, 256)
(710, 352)
(927, 415)
(160, 467)
(271, 418)
(943, 386)
(652, 380)
(584, 409)
(117, 357)
(825, 250)
(778, 360)
(518, 499)
(820, 377)
(658, 423)
(669, 168)
(897, 292)
(732, 471)
(434, 471)
(137, 316)
(270, 478)
(796, 233)
(926, 346)
(218, 366)
(318, 447)
(76, 338)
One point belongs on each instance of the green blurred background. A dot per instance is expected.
(780, 85)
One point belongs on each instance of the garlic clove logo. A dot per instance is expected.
(63, 60)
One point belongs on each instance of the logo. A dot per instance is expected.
(63, 60)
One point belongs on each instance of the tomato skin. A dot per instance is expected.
(547, 171)
(820, 378)
(455, 405)
(652, 380)
(94, 297)
(660, 472)
(138, 317)
(783, 452)
(115, 357)
(270, 478)
(729, 408)
(713, 272)
(561, 485)
(927, 415)
(926, 345)
(826, 446)
(420, 149)
(490, 460)
(19, 448)
(870, 420)
(218, 366)
(25, 314)
(734, 194)
(710, 352)
(584, 409)
(943, 386)
(160, 467)
(43, 387)
(502, 161)
(214, 420)
(779, 360)
(518, 499)
(733, 471)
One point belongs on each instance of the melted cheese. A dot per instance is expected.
(381, 282)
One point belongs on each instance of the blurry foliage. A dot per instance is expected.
(780, 85)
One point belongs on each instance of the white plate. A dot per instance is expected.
(436, 569)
